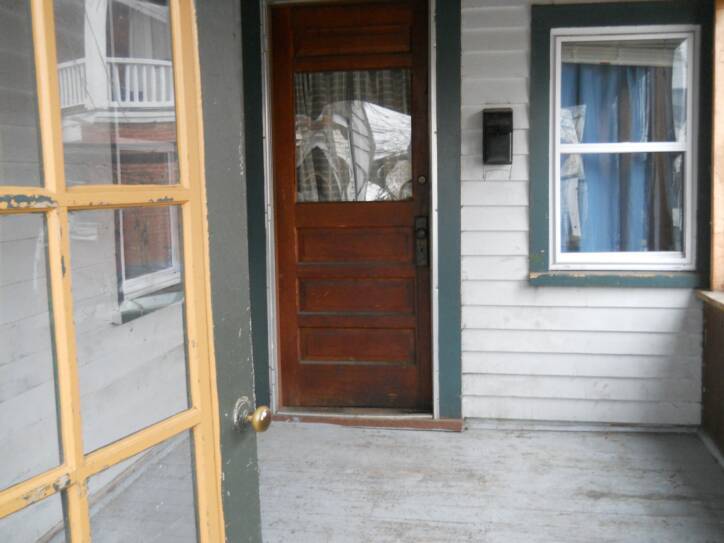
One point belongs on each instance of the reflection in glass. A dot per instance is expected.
(116, 91)
(353, 136)
(149, 497)
(20, 162)
(41, 522)
(622, 202)
(29, 437)
(129, 315)
(624, 90)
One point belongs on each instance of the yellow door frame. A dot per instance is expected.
(55, 200)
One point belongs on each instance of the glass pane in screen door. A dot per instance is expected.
(147, 498)
(128, 301)
(353, 136)
(20, 162)
(29, 435)
(40, 522)
(115, 80)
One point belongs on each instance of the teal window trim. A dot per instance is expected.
(543, 20)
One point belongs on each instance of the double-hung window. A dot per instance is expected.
(623, 140)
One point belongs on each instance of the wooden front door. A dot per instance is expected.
(352, 203)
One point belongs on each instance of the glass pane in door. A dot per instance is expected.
(20, 162)
(148, 498)
(129, 314)
(41, 522)
(115, 75)
(29, 437)
(353, 136)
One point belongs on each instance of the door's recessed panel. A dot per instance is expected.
(355, 245)
(357, 295)
(357, 346)
(334, 30)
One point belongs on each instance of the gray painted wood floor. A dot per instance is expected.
(322, 483)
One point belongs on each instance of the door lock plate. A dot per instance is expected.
(422, 244)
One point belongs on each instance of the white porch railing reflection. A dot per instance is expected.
(71, 77)
(138, 82)
(130, 83)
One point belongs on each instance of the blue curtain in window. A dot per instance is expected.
(625, 200)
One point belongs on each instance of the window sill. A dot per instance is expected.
(650, 279)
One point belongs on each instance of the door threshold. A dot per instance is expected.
(369, 418)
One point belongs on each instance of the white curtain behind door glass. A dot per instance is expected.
(353, 136)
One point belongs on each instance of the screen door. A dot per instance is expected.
(107, 403)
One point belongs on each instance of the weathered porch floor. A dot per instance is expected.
(322, 483)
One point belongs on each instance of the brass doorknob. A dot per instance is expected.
(260, 419)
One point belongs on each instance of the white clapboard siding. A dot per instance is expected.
(554, 341)
(584, 354)
(588, 388)
(581, 365)
(503, 193)
(492, 268)
(495, 218)
(494, 243)
(608, 411)
(606, 319)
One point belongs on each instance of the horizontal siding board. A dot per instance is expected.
(549, 341)
(590, 319)
(582, 365)
(494, 243)
(491, 64)
(503, 39)
(516, 293)
(495, 193)
(498, 17)
(512, 90)
(490, 268)
(495, 218)
(471, 5)
(554, 409)
(582, 388)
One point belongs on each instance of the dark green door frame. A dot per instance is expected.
(219, 25)
(447, 108)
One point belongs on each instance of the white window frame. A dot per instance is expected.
(625, 261)
(152, 282)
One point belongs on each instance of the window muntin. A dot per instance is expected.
(623, 140)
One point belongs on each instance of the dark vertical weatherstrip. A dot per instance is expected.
(219, 26)
(447, 17)
(256, 220)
